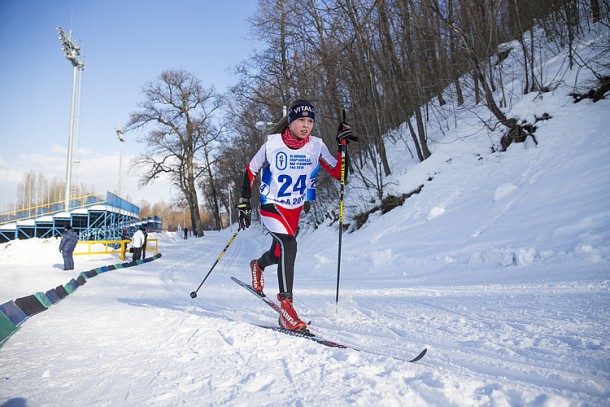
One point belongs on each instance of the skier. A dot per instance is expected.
(290, 160)
(66, 247)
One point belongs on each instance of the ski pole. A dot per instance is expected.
(341, 200)
(194, 293)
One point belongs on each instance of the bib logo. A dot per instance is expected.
(281, 160)
(264, 189)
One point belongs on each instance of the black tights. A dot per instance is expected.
(283, 252)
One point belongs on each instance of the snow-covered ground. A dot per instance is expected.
(500, 267)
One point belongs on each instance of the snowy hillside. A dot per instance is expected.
(500, 267)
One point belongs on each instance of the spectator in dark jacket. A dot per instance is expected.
(66, 247)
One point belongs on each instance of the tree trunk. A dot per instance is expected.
(214, 199)
(193, 201)
(420, 154)
(596, 11)
(421, 130)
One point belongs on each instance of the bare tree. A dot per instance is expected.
(210, 183)
(476, 28)
(36, 190)
(388, 61)
(178, 113)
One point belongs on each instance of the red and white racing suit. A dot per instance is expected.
(288, 179)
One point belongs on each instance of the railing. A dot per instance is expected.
(114, 247)
(51, 208)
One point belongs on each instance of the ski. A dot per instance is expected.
(308, 335)
(260, 295)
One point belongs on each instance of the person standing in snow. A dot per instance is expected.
(137, 241)
(145, 232)
(66, 247)
(290, 160)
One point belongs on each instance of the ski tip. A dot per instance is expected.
(421, 355)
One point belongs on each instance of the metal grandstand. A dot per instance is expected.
(92, 216)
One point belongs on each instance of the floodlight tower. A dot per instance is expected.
(121, 137)
(72, 53)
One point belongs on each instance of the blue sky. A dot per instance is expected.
(125, 44)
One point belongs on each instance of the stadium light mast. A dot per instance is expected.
(72, 53)
(121, 137)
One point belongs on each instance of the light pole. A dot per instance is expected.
(230, 207)
(262, 125)
(121, 137)
(72, 53)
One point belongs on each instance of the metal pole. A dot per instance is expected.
(341, 205)
(121, 171)
(72, 53)
(230, 209)
(119, 134)
(194, 293)
(343, 149)
(70, 142)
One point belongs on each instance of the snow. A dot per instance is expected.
(500, 266)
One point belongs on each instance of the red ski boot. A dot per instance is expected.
(289, 319)
(258, 282)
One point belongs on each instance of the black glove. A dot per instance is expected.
(244, 213)
(344, 134)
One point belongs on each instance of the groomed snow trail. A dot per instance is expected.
(135, 337)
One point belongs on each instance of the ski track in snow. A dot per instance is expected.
(135, 337)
